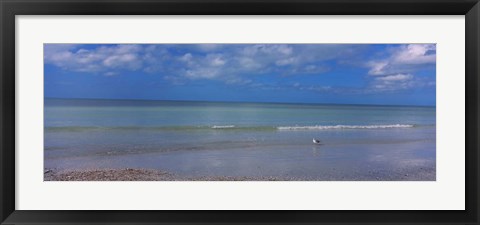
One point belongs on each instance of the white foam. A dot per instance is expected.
(223, 127)
(318, 127)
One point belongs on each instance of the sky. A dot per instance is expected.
(380, 74)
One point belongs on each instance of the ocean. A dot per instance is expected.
(198, 139)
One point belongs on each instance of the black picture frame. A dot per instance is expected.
(10, 8)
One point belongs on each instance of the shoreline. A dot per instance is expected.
(129, 174)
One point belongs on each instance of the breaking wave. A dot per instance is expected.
(318, 127)
(223, 127)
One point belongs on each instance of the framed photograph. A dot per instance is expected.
(251, 112)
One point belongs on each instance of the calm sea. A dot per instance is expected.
(243, 139)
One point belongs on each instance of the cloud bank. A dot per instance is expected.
(395, 68)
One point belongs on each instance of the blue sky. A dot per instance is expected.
(391, 74)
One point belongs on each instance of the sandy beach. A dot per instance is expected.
(129, 174)
(137, 175)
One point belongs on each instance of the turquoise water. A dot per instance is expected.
(243, 139)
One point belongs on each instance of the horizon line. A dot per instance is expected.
(213, 101)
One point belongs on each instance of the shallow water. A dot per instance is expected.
(243, 139)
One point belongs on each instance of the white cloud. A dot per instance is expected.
(119, 60)
(215, 60)
(397, 71)
(315, 88)
(396, 77)
(205, 73)
(284, 62)
(187, 57)
(102, 59)
(377, 67)
(248, 63)
(415, 54)
(405, 58)
(397, 82)
(109, 74)
(253, 60)
(202, 61)
(240, 64)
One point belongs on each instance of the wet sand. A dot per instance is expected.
(136, 175)
(129, 174)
